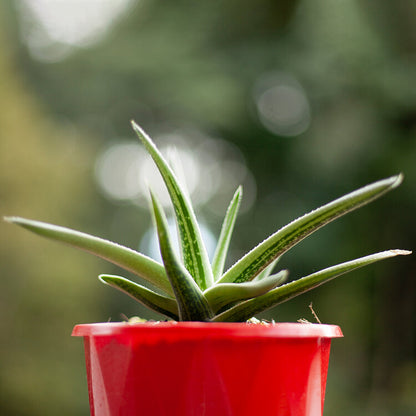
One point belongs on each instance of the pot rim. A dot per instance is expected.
(217, 329)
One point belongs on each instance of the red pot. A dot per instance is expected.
(206, 369)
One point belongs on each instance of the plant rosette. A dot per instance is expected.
(210, 306)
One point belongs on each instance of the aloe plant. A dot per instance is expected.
(190, 288)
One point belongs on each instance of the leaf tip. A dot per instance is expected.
(16, 220)
(139, 131)
(134, 124)
(10, 219)
(399, 252)
(396, 180)
(109, 279)
(104, 278)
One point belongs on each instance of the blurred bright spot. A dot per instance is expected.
(51, 28)
(282, 105)
(149, 244)
(118, 171)
(209, 169)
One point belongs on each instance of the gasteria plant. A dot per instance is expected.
(189, 288)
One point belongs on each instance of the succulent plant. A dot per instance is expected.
(189, 287)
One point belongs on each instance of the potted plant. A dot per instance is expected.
(210, 357)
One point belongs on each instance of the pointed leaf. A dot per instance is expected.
(284, 239)
(224, 294)
(225, 235)
(124, 257)
(159, 303)
(192, 304)
(249, 308)
(193, 249)
(266, 271)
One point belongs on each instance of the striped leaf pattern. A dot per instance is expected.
(284, 239)
(193, 249)
(190, 288)
(192, 303)
(249, 308)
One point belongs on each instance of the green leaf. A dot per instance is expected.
(224, 294)
(192, 303)
(124, 257)
(284, 239)
(225, 235)
(267, 271)
(159, 303)
(249, 308)
(193, 249)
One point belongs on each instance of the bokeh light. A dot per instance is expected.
(209, 168)
(52, 28)
(282, 104)
(117, 171)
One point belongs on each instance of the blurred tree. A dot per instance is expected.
(45, 290)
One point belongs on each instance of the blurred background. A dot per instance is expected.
(298, 101)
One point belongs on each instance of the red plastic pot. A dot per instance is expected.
(206, 369)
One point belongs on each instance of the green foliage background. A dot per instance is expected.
(193, 63)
